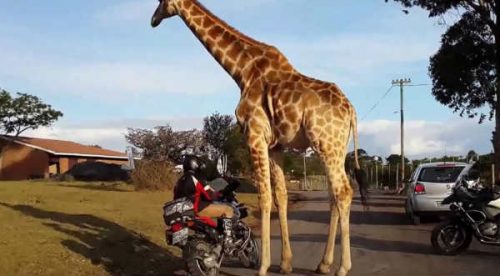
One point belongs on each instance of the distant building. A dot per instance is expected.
(27, 158)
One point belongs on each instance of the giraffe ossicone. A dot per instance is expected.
(279, 108)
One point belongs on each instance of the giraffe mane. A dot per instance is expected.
(239, 34)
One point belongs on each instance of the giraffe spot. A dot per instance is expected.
(209, 44)
(207, 21)
(254, 72)
(215, 31)
(225, 41)
(335, 100)
(272, 75)
(321, 121)
(296, 96)
(286, 67)
(229, 66)
(218, 54)
(197, 20)
(285, 75)
(325, 85)
(196, 11)
(262, 63)
(295, 77)
(287, 98)
(337, 113)
(293, 116)
(235, 50)
(287, 86)
(242, 59)
(255, 51)
(284, 126)
(187, 4)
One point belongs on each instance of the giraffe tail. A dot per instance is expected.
(359, 174)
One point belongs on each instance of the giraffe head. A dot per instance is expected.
(165, 9)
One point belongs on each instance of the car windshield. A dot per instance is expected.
(440, 174)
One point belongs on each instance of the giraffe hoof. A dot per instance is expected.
(262, 272)
(341, 272)
(323, 269)
(286, 269)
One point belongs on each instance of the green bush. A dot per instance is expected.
(154, 175)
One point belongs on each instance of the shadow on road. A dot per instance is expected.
(371, 203)
(380, 245)
(119, 250)
(357, 217)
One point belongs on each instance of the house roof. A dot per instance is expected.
(66, 148)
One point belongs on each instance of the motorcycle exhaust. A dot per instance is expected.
(497, 243)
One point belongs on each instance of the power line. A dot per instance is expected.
(377, 103)
(421, 84)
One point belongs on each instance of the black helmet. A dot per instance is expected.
(192, 163)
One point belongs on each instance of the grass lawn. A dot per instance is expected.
(72, 228)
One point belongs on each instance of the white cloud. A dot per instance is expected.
(114, 80)
(426, 139)
(357, 55)
(380, 137)
(109, 134)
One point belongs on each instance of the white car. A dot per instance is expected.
(429, 184)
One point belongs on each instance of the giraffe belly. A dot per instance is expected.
(298, 141)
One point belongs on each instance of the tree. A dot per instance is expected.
(21, 113)
(395, 159)
(238, 156)
(164, 144)
(464, 71)
(216, 129)
(24, 112)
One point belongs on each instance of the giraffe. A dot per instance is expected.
(279, 108)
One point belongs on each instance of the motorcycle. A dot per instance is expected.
(201, 238)
(475, 211)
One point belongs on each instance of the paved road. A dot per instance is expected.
(382, 242)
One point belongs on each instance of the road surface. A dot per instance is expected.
(382, 242)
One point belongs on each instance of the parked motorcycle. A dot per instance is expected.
(475, 211)
(201, 239)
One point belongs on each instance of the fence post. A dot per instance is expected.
(493, 176)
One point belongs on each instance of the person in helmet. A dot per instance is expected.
(190, 185)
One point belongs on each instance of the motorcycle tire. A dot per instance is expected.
(194, 253)
(252, 253)
(441, 234)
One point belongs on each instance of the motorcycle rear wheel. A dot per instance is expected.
(194, 254)
(450, 238)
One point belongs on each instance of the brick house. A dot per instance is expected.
(26, 157)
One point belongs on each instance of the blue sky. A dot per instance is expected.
(102, 64)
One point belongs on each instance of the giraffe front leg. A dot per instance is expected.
(281, 201)
(260, 159)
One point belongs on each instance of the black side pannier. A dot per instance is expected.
(178, 210)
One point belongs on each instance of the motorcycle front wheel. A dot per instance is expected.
(251, 254)
(200, 259)
(450, 238)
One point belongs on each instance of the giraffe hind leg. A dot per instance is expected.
(340, 202)
(281, 201)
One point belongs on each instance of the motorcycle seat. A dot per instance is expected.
(207, 220)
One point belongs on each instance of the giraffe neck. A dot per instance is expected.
(226, 44)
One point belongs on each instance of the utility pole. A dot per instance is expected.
(401, 83)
